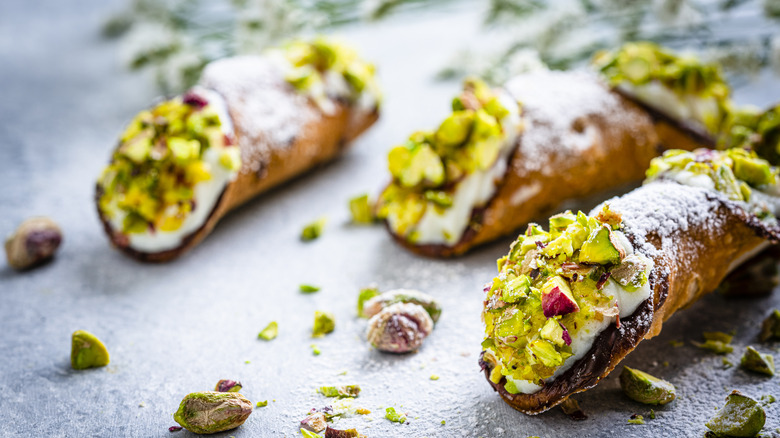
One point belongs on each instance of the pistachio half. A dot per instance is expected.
(211, 412)
(644, 388)
(87, 351)
(399, 328)
(34, 242)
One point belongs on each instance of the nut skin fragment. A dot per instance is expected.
(756, 362)
(87, 351)
(315, 422)
(399, 328)
(210, 412)
(740, 417)
(379, 302)
(34, 242)
(645, 388)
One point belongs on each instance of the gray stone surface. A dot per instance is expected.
(178, 328)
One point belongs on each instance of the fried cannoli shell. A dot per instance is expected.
(320, 139)
(620, 136)
(691, 260)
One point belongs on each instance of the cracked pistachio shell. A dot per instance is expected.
(645, 388)
(210, 412)
(740, 417)
(87, 351)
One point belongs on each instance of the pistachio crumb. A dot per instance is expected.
(666, 363)
(443, 422)
(313, 230)
(339, 391)
(394, 416)
(315, 350)
(262, 404)
(362, 209)
(727, 363)
(716, 342)
(676, 343)
(434, 377)
(366, 294)
(247, 362)
(651, 415)
(270, 332)
(770, 328)
(324, 323)
(637, 419)
(308, 288)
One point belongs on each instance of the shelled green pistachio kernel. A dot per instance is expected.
(740, 417)
(308, 288)
(716, 342)
(365, 294)
(362, 210)
(379, 302)
(310, 434)
(262, 404)
(324, 323)
(394, 416)
(314, 229)
(269, 332)
(34, 242)
(87, 351)
(757, 362)
(770, 328)
(226, 385)
(211, 412)
(339, 391)
(645, 388)
(399, 328)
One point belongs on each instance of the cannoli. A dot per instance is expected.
(570, 303)
(251, 123)
(506, 156)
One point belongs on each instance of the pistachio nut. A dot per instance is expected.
(226, 385)
(210, 412)
(770, 328)
(399, 328)
(314, 422)
(347, 433)
(87, 351)
(324, 323)
(377, 303)
(645, 388)
(34, 242)
(740, 417)
(757, 362)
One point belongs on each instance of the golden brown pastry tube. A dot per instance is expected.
(280, 132)
(580, 138)
(694, 237)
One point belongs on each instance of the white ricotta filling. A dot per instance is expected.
(582, 340)
(205, 193)
(446, 226)
(704, 111)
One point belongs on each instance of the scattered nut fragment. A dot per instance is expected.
(315, 422)
(741, 417)
(226, 385)
(399, 328)
(716, 342)
(313, 230)
(86, 351)
(379, 302)
(348, 433)
(210, 412)
(309, 434)
(34, 242)
(324, 323)
(636, 419)
(269, 332)
(754, 361)
(770, 328)
(571, 408)
(340, 391)
(645, 388)
(394, 416)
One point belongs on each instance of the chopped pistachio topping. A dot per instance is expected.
(757, 362)
(643, 63)
(308, 288)
(339, 391)
(546, 292)
(736, 173)
(427, 167)
(645, 388)
(365, 295)
(741, 416)
(87, 351)
(324, 323)
(716, 342)
(361, 209)
(636, 419)
(394, 416)
(314, 61)
(748, 127)
(150, 181)
(313, 230)
(770, 328)
(262, 404)
(269, 332)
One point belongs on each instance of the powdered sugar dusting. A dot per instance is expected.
(665, 210)
(555, 105)
(267, 112)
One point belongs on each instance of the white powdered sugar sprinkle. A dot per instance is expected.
(555, 105)
(267, 112)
